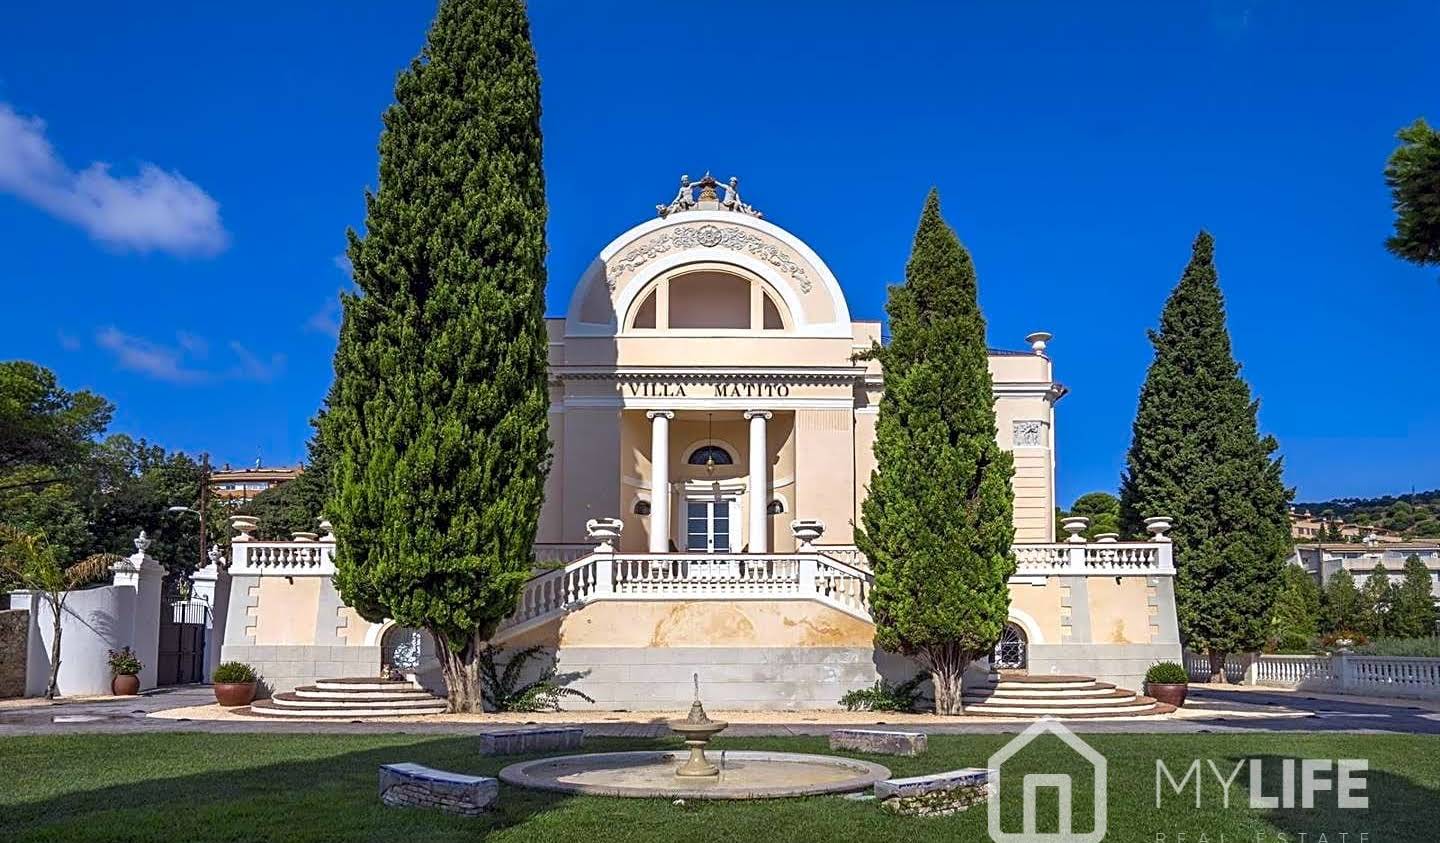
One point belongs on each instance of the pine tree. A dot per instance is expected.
(1341, 604)
(1377, 600)
(1296, 617)
(1413, 176)
(938, 521)
(1414, 612)
(1197, 456)
(437, 425)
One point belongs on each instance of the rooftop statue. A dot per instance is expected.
(709, 200)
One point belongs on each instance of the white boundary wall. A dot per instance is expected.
(1382, 676)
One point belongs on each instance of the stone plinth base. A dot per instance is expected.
(525, 741)
(935, 795)
(878, 742)
(417, 786)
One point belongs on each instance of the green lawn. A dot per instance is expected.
(198, 787)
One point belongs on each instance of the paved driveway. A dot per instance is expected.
(1208, 710)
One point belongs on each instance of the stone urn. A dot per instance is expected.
(807, 531)
(1158, 526)
(244, 525)
(303, 536)
(1075, 525)
(604, 532)
(125, 685)
(1107, 538)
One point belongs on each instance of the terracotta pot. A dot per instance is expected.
(1165, 692)
(231, 694)
(125, 685)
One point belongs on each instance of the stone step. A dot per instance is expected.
(1140, 707)
(290, 699)
(364, 683)
(268, 708)
(1052, 681)
(1094, 689)
(1109, 698)
(408, 692)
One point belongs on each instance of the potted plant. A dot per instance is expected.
(125, 668)
(1167, 682)
(234, 684)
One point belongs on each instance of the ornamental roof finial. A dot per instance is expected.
(709, 199)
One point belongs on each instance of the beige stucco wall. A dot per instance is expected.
(702, 623)
(1120, 613)
(287, 609)
(1039, 605)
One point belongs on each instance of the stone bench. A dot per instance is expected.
(525, 741)
(935, 795)
(879, 742)
(418, 786)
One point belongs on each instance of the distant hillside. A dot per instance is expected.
(1415, 514)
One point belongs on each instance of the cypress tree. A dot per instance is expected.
(1377, 599)
(437, 424)
(937, 523)
(1341, 603)
(1197, 455)
(1414, 614)
(1296, 617)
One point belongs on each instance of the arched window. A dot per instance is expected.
(710, 455)
(776, 507)
(1010, 652)
(642, 507)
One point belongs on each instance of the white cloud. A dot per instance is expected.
(326, 320)
(178, 363)
(154, 210)
(342, 262)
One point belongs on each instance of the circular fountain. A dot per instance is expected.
(656, 773)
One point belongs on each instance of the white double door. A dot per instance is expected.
(712, 523)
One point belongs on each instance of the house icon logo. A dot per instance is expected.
(1034, 782)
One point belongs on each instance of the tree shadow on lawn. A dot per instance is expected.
(201, 787)
(1399, 809)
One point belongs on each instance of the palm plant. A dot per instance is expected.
(29, 559)
(502, 689)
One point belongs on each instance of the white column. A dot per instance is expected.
(759, 487)
(659, 480)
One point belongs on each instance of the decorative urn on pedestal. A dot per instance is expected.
(807, 531)
(604, 532)
(1075, 525)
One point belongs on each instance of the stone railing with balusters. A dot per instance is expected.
(289, 559)
(1397, 676)
(696, 576)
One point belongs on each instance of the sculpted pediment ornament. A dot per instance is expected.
(707, 235)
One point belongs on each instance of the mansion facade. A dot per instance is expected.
(713, 439)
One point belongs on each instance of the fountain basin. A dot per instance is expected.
(651, 774)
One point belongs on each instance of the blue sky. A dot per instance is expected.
(1077, 149)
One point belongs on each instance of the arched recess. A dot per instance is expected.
(1026, 622)
(709, 297)
(820, 281)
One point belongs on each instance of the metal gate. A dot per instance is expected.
(181, 658)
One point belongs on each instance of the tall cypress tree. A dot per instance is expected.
(437, 423)
(938, 520)
(1197, 455)
(1414, 610)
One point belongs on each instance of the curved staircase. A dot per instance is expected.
(351, 698)
(1018, 695)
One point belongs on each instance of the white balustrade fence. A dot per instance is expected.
(1094, 559)
(1342, 672)
(313, 558)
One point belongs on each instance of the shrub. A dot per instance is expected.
(1167, 673)
(886, 697)
(1422, 647)
(502, 689)
(124, 663)
(237, 672)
